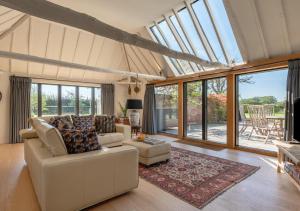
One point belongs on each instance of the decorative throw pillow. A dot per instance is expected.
(110, 125)
(54, 121)
(100, 123)
(105, 124)
(63, 124)
(79, 141)
(83, 122)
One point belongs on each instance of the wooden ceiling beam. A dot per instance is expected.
(24, 57)
(14, 26)
(53, 12)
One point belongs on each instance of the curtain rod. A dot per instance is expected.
(59, 80)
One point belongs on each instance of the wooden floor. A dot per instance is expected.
(265, 190)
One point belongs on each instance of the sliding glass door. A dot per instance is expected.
(260, 108)
(193, 110)
(167, 108)
(205, 112)
(217, 110)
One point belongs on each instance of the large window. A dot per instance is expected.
(193, 105)
(34, 100)
(260, 108)
(85, 100)
(68, 100)
(217, 110)
(167, 108)
(98, 108)
(47, 100)
(201, 28)
(205, 110)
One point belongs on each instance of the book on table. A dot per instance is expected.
(153, 141)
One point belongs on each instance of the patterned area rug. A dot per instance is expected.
(194, 177)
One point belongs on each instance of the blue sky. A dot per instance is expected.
(271, 83)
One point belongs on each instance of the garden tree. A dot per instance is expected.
(219, 85)
(260, 100)
(34, 101)
(50, 103)
(264, 100)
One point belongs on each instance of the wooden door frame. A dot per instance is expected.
(251, 67)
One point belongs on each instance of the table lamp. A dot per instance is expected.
(134, 105)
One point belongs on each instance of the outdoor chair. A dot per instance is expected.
(260, 123)
(245, 122)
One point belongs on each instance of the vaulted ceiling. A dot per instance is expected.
(37, 37)
(263, 29)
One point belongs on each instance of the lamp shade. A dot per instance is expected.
(134, 104)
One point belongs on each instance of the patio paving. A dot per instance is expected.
(218, 133)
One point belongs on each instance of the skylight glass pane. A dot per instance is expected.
(169, 36)
(173, 44)
(224, 26)
(172, 62)
(184, 40)
(181, 33)
(191, 31)
(205, 21)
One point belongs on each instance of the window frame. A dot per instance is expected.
(178, 87)
(59, 98)
(204, 110)
(237, 104)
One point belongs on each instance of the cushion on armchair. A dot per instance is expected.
(79, 141)
(83, 122)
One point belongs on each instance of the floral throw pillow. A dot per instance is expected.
(110, 126)
(105, 124)
(83, 122)
(66, 120)
(100, 124)
(79, 141)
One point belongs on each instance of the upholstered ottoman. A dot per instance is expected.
(150, 154)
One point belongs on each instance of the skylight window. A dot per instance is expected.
(192, 33)
(173, 43)
(205, 21)
(224, 26)
(173, 63)
(202, 28)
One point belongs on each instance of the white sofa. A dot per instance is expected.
(123, 133)
(76, 181)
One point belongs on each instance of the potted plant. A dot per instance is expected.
(123, 110)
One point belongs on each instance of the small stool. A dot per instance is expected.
(150, 154)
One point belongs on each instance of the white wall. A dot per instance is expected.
(121, 95)
(4, 108)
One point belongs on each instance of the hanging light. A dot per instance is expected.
(136, 88)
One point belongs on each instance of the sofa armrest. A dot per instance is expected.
(29, 133)
(125, 129)
(88, 178)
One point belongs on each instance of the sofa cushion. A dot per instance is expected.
(79, 141)
(109, 138)
(83, 122)
(50, 136)
(55, 120)
(105, 123)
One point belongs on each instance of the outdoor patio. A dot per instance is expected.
(217, 133)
